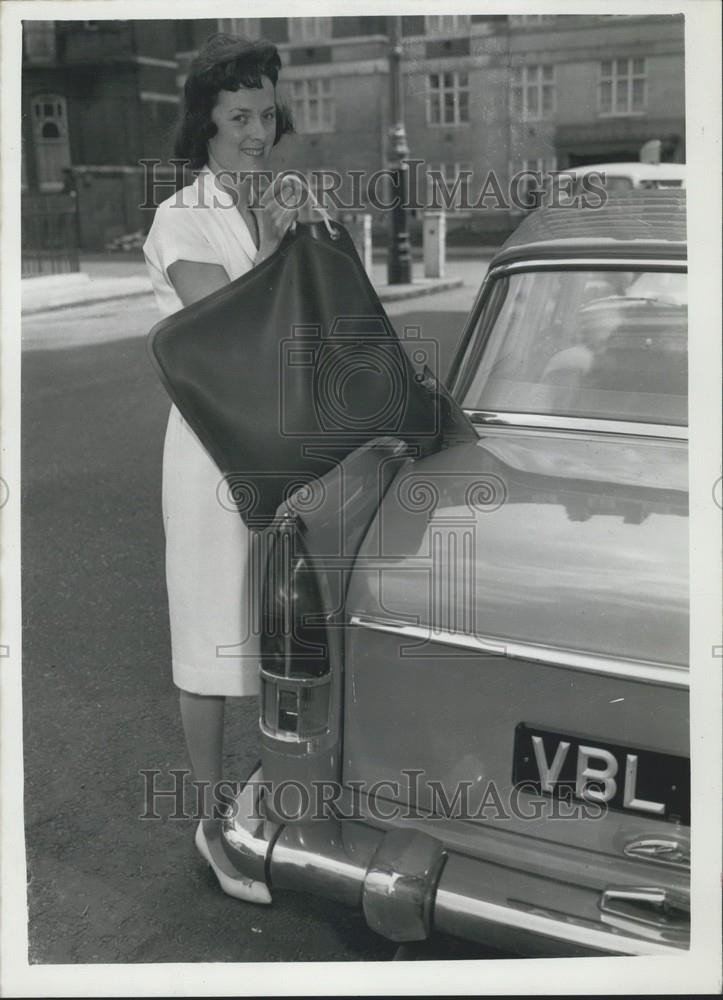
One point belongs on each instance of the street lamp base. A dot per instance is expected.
(399, 266)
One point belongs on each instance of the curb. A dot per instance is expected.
(386, 293)
(99, 300)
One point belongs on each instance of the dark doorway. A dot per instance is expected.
(610, 156)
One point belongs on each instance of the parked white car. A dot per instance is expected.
(620, 177)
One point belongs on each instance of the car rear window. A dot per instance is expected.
(601, 343)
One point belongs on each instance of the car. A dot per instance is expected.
(620, 177)
(474, 682)
(597, 181)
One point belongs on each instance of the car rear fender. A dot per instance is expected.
(311, 547)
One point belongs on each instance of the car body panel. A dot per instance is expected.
(557, 536)
(400, 718)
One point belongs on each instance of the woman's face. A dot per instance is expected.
(246, 123)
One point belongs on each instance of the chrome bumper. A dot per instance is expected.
(407, 884)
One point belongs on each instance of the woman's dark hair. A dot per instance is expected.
(225, 62)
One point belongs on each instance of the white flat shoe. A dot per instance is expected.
(239, 886)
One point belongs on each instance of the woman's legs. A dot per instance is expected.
(202, 716)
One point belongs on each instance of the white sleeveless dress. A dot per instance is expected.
(214, 646)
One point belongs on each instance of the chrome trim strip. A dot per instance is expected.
(653, 912)
(311, 858)
(453, 911)
(580, 263)
(584, 425)
(647, 672)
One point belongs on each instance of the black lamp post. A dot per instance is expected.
(399, 258)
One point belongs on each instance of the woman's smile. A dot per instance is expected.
(245, 121)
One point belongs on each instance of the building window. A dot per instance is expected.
(622, 86)
(39, 39)
(445, 186)
(244, 27)
(447, 24)
(312, 103)
(447, 99)
(309, 29)
(49, 115)
(533, 91)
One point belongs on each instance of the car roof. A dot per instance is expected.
(636, 170)
(649, 224)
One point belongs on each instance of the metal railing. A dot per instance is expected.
(49, 235)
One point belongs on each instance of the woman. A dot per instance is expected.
(203, 237)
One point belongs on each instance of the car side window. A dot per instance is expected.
(607, 344)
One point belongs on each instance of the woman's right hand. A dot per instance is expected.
(273, 217)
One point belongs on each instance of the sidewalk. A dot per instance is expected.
(62, 291)
(104, 278)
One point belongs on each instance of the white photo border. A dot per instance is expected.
(699, 970)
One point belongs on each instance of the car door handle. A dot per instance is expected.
(655, 912)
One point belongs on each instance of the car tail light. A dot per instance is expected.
(295, 664)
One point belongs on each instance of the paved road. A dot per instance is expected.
(99, 703)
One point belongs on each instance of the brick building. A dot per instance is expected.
(501, 93)
(481, 92)
(97, 97)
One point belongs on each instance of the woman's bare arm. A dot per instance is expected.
(194, 280)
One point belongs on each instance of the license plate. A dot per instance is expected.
(631, 779)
